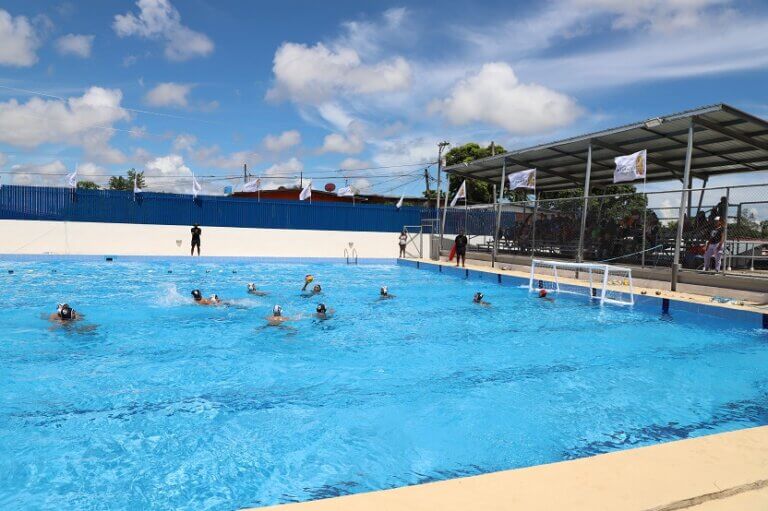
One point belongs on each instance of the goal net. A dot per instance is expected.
(602, 282)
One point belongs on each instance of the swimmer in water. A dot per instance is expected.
(198, 297)
(277, 318)
(307, 281)
(252, 290)
(543, 295)
(321, 312)
(316, 290)
(384, 293)
(64, 314)
(478, 299)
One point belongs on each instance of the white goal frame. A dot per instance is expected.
(589, 269)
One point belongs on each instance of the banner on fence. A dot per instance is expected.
(630, 167)
(522, 179)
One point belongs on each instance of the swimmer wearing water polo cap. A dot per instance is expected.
(478, 299)
(277, 318)
(384, 293)
(64, 313)
(322, 312)
(543, 294)
(253, 290)
(200, 300)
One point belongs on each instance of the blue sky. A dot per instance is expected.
(173, 87)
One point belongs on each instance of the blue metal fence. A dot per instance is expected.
(45, 203)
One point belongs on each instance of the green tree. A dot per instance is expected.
(126, 183)
(87, 185)
(477, 191)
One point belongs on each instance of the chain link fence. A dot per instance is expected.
(726, 225)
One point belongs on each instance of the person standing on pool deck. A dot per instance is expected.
(714, 246)
(402, 242)
(196, 232)
(461, 248)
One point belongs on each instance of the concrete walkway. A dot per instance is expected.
(727, 471)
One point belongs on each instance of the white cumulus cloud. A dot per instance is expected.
(19, 41)
(282, 174)
(314, 74)
(351, 143)
(495, 96)
(169, 94)
(83, 121)
(159, 20)
(283, 141)
(75, 45)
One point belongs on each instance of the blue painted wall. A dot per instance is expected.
(45, 203)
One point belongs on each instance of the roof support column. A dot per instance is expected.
(497, 227)
(681, 213)
(582, 231)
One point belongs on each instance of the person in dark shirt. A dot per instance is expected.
(196, 232)
(461, 248)
(714, 247)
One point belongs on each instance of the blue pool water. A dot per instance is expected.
(156, 403)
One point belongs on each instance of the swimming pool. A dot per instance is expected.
(164, 404)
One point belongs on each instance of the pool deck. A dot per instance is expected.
(726, 471)
(639, 290)
(720, 472)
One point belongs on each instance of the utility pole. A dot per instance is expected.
(245, 173)
(426, 180)
(493, 149)
(301, 179)
(442, 145)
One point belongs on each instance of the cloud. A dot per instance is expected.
(184, 142)
(659, 15)
(354, 164)
(54, 173)
(19, 41)
(351, 143)
(495, 96)
(271, 177)
(168, 173)
(283, 141)
(84, 121)
(313, 74)
(169, 94)
(159, 20)
(75, 45)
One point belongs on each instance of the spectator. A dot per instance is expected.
(714, 247)
(402, 242)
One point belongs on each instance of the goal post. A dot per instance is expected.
(603, 282)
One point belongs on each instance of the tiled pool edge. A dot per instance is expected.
(667, 304)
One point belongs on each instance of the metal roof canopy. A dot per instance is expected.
(726, 140)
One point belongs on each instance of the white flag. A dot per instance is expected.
(252, 186)
(196, 188)
(461, 194)
(400, 202)
(522, 179)
(72, 179)
(136, 188)
(346, 191)
(306, 193)
(631, 167)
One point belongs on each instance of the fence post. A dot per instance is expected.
(533, 227)
(498, 214)
(681, 213)
(587, 176)
(724, 218)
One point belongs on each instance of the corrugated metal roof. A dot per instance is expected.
(726, 140)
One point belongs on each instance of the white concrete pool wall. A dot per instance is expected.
(92, 238)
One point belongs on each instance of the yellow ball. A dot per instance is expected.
(309, 278)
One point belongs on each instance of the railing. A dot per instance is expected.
(80, 205)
